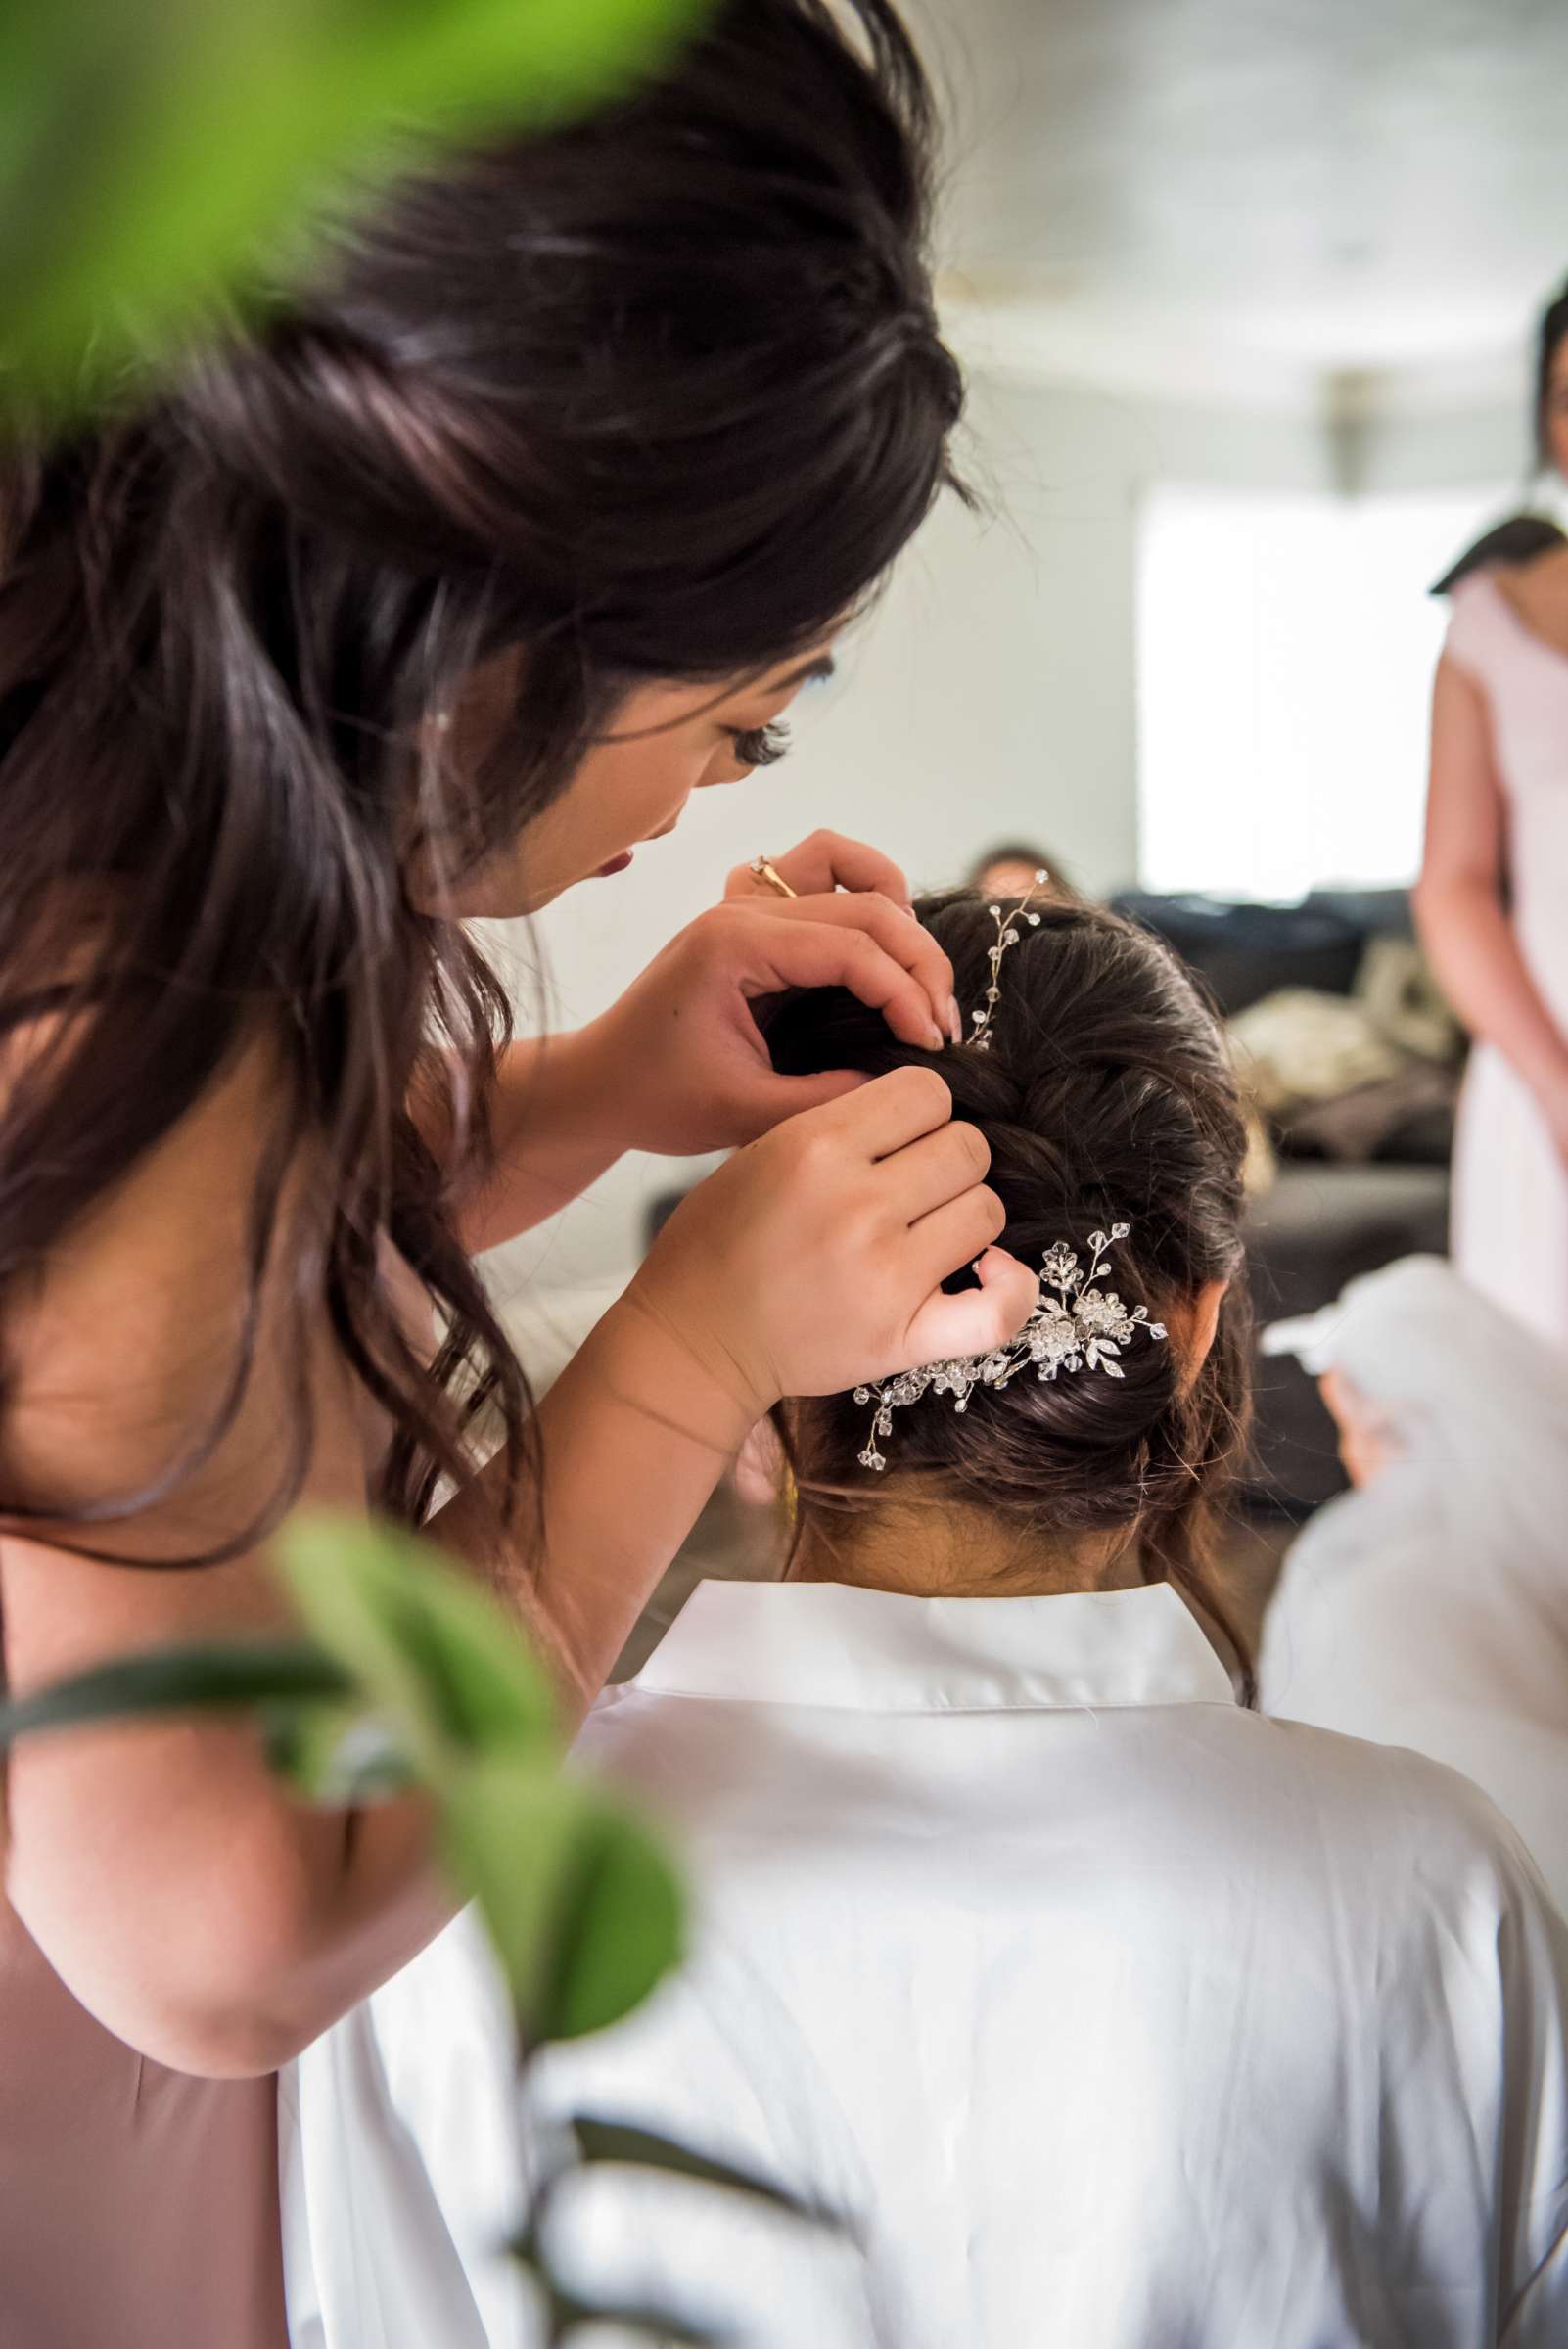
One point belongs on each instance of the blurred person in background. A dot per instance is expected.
(1493, 886)
(1429, 1606)
(1010, 870)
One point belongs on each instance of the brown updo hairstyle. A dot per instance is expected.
(1107, 1095)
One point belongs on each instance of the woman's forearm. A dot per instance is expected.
(1475, 953)
(556, 1129)
(633, 1436)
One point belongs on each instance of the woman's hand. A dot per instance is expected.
(814, 1259)
(1367, 1442)
(819, 865)
(1461, 901)
(680, 1054)
(1552, 1102)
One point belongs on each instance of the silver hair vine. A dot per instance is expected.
(1080, 1327)
(1007, 935)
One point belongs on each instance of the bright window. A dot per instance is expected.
(1285, 656)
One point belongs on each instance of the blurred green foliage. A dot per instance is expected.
(155, 155)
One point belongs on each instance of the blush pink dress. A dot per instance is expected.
(138, 2208)
(1511, 1203)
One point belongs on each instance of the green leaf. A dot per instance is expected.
(438, 1657)
(153, 151)
(621, 1929)
(570, 2315)
(620, 2141)
(581, 1901)
(203, 1677)
(566, 2313)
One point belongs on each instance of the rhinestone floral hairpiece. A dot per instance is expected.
(1080, 1327)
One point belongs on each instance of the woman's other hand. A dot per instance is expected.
(681, 1055)
(813, 1260)
(1367, 1442)
(1552, 1102)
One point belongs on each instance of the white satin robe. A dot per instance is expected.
(1430, 1608)
(1113, 2015)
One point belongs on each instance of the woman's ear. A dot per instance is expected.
(1193, 1327)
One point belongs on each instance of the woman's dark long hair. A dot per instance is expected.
(1520, 537)
(1549, 336)
(1106, 1095)
(657, 395)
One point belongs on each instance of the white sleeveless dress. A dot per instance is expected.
(1511, 1200)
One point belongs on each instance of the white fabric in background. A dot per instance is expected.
(1115, 2015)
(1430, 1609)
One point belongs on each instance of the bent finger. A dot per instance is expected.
(941, 1167)
(975, 1321)
(829, 860)
(760, 1106)
(913, 949)
(795, 950)
(893, 1111)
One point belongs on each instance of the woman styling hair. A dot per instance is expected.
(432, 596)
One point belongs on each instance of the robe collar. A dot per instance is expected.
(830, 1644)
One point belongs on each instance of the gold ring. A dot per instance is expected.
(763, 869)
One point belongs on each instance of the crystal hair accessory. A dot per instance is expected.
(1080, 1327)
(1007, 935)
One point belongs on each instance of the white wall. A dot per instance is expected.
(1286, 649)
(991, 693)
(1446, 450)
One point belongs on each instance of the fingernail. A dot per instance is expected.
(936, 1041)
(955, 1025)
(910, 911)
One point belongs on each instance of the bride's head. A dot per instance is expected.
(1107, 1098)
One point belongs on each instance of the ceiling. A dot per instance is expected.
(1258, 199)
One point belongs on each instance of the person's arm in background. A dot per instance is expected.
(1368, 1443)
(1461, 901)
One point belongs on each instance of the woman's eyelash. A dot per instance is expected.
(761, 746)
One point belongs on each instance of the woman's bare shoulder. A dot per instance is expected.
(122, 1344)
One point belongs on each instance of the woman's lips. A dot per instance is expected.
(617, 864)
